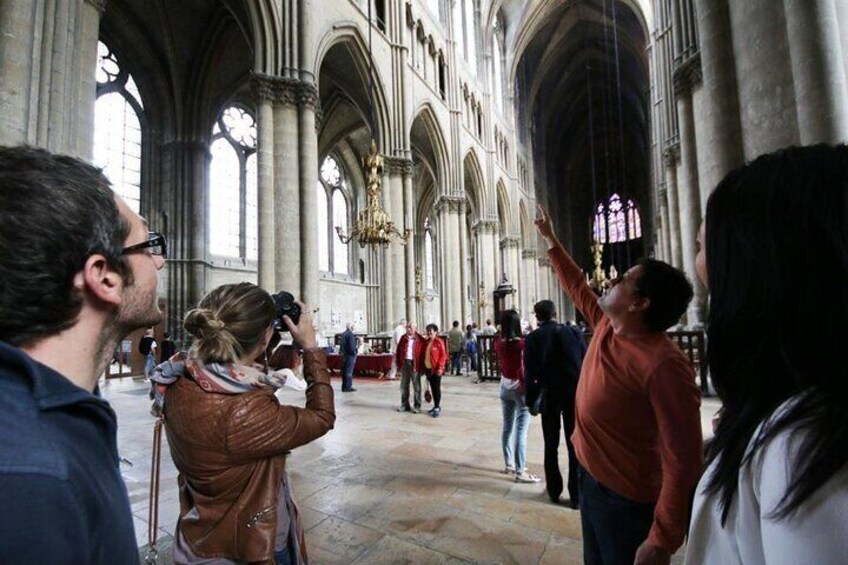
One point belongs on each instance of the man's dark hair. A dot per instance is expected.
(55, 212)
(545, 310)
(455, 324)
(669, 291)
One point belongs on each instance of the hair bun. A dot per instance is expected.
(202, 323)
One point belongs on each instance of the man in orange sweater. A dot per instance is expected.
(637, 433)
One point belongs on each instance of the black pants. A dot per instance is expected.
(559, 410)
(613, 526)
(435, 388)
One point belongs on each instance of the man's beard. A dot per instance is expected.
(139, 309)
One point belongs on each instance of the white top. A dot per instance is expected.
(816, 533)
(410, 348)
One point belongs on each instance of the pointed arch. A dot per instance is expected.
(505, 211)
(475, 187)
(525, 225)
(349, 35)
(430, 133)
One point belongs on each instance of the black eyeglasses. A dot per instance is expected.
(156, 243)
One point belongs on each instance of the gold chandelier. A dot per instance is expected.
(599, 280)
(373, 226)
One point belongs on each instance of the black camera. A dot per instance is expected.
(284, 301)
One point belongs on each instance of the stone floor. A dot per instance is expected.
(389, 487)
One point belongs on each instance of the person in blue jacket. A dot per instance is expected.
(63, 309)
(348, 351)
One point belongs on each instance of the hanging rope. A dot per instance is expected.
(371, 120)
(623, 173)
(591, 138)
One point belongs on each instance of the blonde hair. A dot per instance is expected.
(229, 322)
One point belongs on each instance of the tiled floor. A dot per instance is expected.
(389, 487)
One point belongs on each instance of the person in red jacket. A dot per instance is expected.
(435, 357)
(408, 357)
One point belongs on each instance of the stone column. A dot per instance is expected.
(184, 169)
(529, 281)
(817, 70)
(464, 278)
(400, 175)
(509, 246)
(664, 223)
(487, 232)
(287, 251)
(449, 208)
(719, 136)
(81, 130)
(689, 204)
(388, 286)
(264, 93)
(308, 159)
(671, 158)
(768, 114)
(409, 248)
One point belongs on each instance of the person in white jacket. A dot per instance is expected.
(774, 254)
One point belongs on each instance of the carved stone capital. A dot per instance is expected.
(455, 204)
(671, 154)
(485, 226)
(308, 95)
(288, 91)
(398, 166)
(544, 262)
(687, 75)
(528, 254)
(509, 242)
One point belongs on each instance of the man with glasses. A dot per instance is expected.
(637, 433)
(78, 271)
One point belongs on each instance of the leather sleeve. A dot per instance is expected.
(260, 427)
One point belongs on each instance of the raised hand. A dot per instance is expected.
(543, 223)
(303, 333)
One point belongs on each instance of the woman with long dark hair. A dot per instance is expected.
(775, 258)
(509, 347)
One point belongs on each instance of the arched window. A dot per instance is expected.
(332, 204)
(616, 221)
(428, 256)
(232, 185)
(458, 29)
(117, 128)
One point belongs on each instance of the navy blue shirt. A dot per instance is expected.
(62, 498)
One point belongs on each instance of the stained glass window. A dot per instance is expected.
(616, 221)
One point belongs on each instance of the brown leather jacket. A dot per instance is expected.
(230, 451)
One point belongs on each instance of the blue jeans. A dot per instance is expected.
(516, 420)
(149, 364)
(347, 372)
(456, 362)
(613, 526)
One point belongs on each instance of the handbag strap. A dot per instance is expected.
(153, 514)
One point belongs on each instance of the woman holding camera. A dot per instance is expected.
(229, 435)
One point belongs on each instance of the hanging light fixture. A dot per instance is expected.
(373, 225)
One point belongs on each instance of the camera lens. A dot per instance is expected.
(286, 305)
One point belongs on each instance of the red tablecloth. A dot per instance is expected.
(379, 363)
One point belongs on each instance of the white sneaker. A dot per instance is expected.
(525, 477)
(508, 470)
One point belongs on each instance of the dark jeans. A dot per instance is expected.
(347, 372)
(456, 362)
(435, 388)
(558, 411)
(613, 526)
